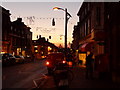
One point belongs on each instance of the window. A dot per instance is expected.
(15, 29)
(100, 49)
(108, 16)
(98, 12)
(22, 32)
(35, 46)
(88, 6)
(11, 28)
(36, 51)
(85, 29)
(85, 10)
(89, 31)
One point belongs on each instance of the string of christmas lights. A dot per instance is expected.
(30, 20)
(33, 18)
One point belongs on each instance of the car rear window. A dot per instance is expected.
(17, 56)
(57, 57)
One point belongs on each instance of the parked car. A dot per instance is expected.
(54, 60)
(19, 58)
(8, 59)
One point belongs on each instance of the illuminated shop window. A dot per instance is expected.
(36, 50)
(82, 56)
(49, 48)
(18, 51)
(35, 46)
(2, 52)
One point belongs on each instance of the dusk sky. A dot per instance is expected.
(39, 15)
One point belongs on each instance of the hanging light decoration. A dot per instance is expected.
(53, 22)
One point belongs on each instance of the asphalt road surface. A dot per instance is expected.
(23, 75)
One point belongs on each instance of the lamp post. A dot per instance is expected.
(67, 17)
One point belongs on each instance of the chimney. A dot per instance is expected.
(47, 40)
(39, 36)
(19, 19)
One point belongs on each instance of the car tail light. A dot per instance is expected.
(64, 61)
(70, 63)
(47, 63)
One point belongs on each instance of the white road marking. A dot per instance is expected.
(41, 80)
(27, 80)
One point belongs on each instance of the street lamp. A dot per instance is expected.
(67, 17)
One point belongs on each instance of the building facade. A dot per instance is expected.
(99, 33)
(42, 47)
(112, 29)
(16, 36)
(91, 19)
(20, 38)
(6, 23)
(76, 37)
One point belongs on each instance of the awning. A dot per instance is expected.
(86, 47)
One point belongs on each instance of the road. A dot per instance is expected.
(22, 75)
(29, 75)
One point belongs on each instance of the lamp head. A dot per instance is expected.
(57, 8)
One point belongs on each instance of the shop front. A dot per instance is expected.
(4, 47)
(85, 50)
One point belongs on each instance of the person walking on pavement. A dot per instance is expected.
(69, 59)
(89, 66)
(33, 57)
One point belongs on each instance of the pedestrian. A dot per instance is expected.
(89, 66)
(80, 62)
(69, 59)
(33, 57)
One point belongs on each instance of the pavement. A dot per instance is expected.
(79, 80)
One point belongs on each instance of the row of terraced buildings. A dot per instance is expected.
(16, 38)
(98, 31)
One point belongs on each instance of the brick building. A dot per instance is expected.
(91, 26)
(6, 23)
(42, 47)
(16, 36)
(76, 37)
(112, 30)
(99, 34)
(20, 38)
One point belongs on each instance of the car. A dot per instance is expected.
(19, 58)
(8, 59)
(54, 60)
